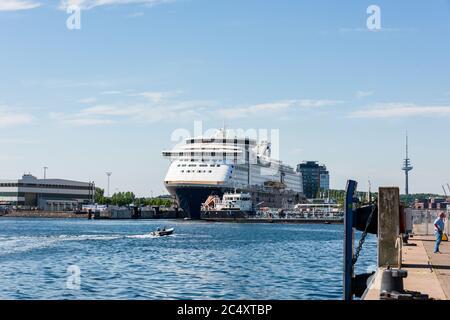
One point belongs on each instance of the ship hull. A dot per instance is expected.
(190, 198)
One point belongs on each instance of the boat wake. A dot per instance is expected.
(10, 245)
(142, 236)
(89, 237)
(24, 244)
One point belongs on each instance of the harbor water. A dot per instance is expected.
(104, 259)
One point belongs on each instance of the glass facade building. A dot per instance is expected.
(316, 178)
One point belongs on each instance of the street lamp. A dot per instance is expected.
(109, 175)
(45, 172)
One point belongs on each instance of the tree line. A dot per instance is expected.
(339, 196)
(127, 198)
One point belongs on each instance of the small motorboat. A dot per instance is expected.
(164, 232)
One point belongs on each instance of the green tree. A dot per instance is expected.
(123, 198)
(127, 198)
(99, 196)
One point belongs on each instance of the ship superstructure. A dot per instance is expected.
(206, 166)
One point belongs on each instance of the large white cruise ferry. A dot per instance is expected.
(206, 166)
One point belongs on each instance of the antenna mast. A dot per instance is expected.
(407, 167)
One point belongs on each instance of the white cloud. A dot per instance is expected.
(274, 108)
(15, 5)
(318, 103)
(89, 4)
(87, 100)
(110, 92)
(167, 106)
(144, 113)
(257, 109)
(78, 119)
(8, 119)
(154, 96)
(401, 110)
(363, 94)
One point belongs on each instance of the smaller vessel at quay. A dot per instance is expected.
(232, 204)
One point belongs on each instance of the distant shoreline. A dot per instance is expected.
(71, 215)
(278, 221)
(44, 214)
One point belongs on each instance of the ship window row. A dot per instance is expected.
(216, 160)
(201, 165)
(203, 154)
(198, 171)
(214, 148)
(238, 198)
(215, 140)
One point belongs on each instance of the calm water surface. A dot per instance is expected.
(119, 260)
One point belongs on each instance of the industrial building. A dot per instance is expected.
(46, 194)
(432, 203)
(315, 176)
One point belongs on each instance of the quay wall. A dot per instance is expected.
(44, 214)
(125, 213)
(114, 213)
(163, 214)
(276, 220)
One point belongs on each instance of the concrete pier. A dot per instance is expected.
(428, 273)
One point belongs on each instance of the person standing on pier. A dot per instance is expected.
(439, 224)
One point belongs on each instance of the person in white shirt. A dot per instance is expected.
(439, 224)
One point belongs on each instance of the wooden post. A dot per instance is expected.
(388, 226)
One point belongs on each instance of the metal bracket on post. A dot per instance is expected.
(348, 238)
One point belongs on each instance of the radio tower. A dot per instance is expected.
(406, 166)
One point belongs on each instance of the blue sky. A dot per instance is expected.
(107, 97)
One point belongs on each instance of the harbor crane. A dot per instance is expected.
(445, 192)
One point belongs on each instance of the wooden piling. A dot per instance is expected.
(388, 226)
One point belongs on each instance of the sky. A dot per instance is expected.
(110, 95)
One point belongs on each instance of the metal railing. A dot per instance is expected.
(423, 221)
(296, 216)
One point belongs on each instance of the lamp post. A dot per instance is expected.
(109, 176)
(45, 172)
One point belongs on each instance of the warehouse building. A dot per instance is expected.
(46, 194)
